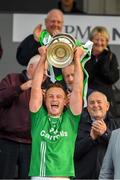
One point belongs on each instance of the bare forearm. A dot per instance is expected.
(78, 76)
(36, 92)
(76, 95)
(38, 76)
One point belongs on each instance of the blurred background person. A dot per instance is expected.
(15, 136)
(68, 75)
(69, 7)
(103, 68)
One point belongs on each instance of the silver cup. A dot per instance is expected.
(60, 50)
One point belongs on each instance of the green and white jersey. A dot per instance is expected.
(53, 141)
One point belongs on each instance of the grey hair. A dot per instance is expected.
(33, 60)
(55, 10)
(105, 97)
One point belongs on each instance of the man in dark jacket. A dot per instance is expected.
(15, 138)
(29, 46)
(93, 136)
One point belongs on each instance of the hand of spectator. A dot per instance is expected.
(43, 92)
(37, 31)
(42, 50)
(98, 128)
(26, 85)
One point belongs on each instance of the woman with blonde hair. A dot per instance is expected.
(103, 68)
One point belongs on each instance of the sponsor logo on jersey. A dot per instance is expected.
(60, 134)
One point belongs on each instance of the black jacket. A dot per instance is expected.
(27, 49)
(89, 153)
(103, 72)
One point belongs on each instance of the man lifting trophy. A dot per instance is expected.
(60, 53)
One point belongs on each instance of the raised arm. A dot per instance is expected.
(36, 97)
(76, 95)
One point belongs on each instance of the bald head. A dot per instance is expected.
(54, 21)
(97, 94)
(98, 105)
(55, 11)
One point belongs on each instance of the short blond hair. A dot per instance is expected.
(99, 29)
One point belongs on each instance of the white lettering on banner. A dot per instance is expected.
(55, 137)
(77, 25)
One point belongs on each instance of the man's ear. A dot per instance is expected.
(108, 106)
(43, 92)
(31, 66)
(67, 100)
(44, 95)
(45, 21)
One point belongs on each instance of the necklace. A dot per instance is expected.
(55, 123)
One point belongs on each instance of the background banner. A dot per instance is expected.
(77, 25)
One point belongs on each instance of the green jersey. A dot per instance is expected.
(53, 141)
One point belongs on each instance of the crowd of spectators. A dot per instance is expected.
(52, 128)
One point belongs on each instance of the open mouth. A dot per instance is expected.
(54, 106)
